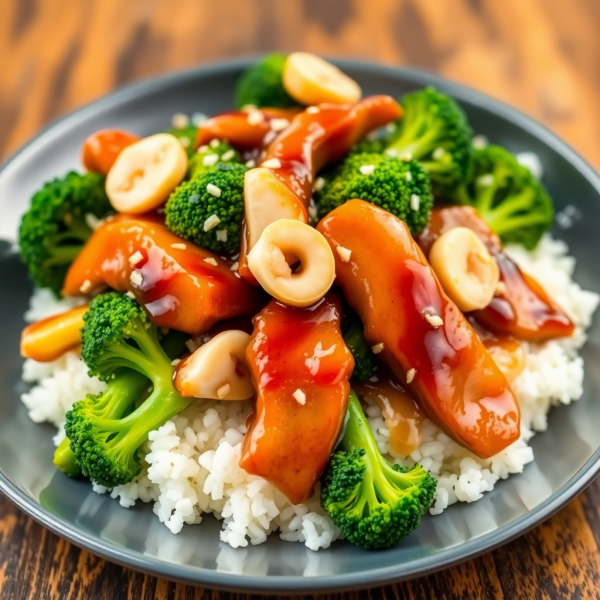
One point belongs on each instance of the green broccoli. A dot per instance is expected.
(216, 194)
(208, 156)
(121, 394)
(105, 436)
(508, 197)
(186, 136)
(364, 359)
(55, 227)
(65, 459)
(373, 502)
(262, 84)
(402, 188)
(434, 131)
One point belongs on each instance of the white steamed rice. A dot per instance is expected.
(191, 462)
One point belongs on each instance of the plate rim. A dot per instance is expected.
(273, 584)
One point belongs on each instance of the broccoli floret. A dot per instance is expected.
(55, 227)
(402, 188)
(373, 502)
(118, 398)
(364, 359)
(105, 437)
(186, 136)
(508, 197)
(434, 131)
(207, 157)
(262, 84)
(192, 204)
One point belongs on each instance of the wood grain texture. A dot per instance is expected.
(542, 56)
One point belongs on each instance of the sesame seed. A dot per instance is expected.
(434, 320)
(185, 141)
(198, 118)
(377, 348)
(175, 362)
(223, 391)
(214, 143)
(86, 286)
(408, 176)
(180, 121)
(415, 202)
(92, 221)
(234, 266)
(178, 246)
(312, 211)
(269, 137)
(343, 253)
(272, 163)
(410, 375)
(136, 258)
(191, 345)
(479, 142)
(136, 278)
(391, 152)
(406, 156)
(500, 288)
(438, 153)
(279, 124)
(250, 164)
(313, 110)
(319, 184)
(213, 190)
(222, 235)
(485, 180)
(203, 148)
(367, 169)
(211, 222)
(130, 295)
(255, 117)
(194, 199)
(299, 397)
(228, 155)
(209, 160)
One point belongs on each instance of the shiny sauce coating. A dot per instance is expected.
(300, 367)
(168, 276)
(521, 308)
(403, 307)
(314, 140)
(242, 129)
(402, 414)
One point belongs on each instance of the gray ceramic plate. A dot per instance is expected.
(567, 455)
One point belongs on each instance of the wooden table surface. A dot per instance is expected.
(542, 56)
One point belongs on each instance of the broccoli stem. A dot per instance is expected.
(65, 460)
(118, 397)
(358, 432)
(61, 255)
(151, 414)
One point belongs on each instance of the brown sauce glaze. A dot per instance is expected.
(521, 308)
(300, 367)
(390, 284)
(508, 353)
(315, 139)
(401, 412)
(169, 276)
(243, 134)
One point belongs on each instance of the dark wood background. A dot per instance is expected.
(542, 56)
